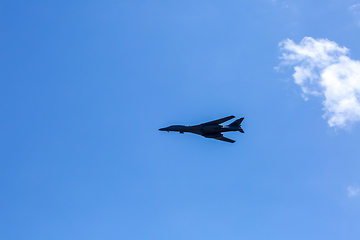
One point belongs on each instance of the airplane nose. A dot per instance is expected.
(162, 129)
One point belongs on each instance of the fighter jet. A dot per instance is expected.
(211, 129)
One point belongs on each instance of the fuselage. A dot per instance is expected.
(200, 129)
(211, 129)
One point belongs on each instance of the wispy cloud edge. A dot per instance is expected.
(353, 191)
(355, 9)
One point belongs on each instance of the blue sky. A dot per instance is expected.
(85, 86)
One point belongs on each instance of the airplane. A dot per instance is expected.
(211, 129)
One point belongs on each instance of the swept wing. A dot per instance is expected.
(220, 137)
(219, 121)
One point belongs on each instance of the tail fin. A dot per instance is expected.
(237, 123)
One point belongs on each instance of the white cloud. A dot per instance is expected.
(355, 9)
(353, 191)
(322, 68)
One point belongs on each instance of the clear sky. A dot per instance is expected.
(85, 86)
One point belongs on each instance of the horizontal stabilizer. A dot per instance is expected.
(237, 122)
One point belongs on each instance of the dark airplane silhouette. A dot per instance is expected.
(211, 129)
